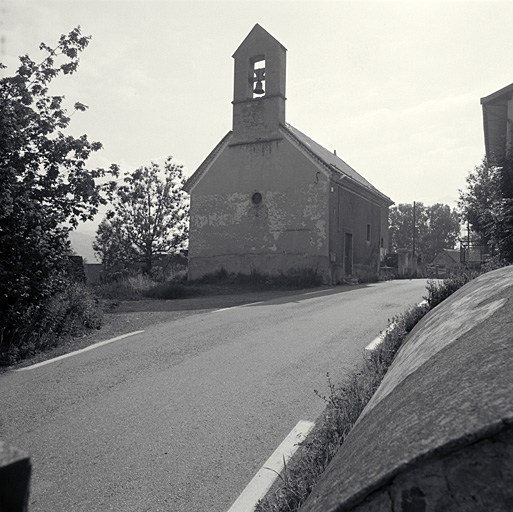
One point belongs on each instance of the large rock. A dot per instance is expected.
(438, 433)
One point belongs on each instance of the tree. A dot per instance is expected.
(487, 205)
(443, 230)
(45, 186)
(477, 203)
(437, 227)
(401, 225)
(149, 218)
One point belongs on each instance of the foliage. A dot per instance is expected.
(171, 290)
(437, 227)
(438, 291)
(477, 202)
(68, 313)
(149, 218)
(45, 186)
(294, 278)
(487, 205)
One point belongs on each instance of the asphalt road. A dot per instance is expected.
(180, 417)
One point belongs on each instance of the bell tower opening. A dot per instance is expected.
(259, 87)
(258, 77)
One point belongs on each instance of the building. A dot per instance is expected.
(269, 198)
(498, 124)
(447, 261)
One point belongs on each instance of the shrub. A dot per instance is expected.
(66, 314)
(299, 277)
(168, 291)
(126, 288)
(438, 291)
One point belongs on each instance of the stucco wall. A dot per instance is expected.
(351, 213)
(288, 228)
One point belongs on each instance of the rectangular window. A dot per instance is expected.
(259, 77)
(368, 232)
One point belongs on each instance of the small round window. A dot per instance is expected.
(256, 198)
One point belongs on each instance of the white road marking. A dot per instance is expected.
(224, 309)
(260, 302)
(318, 291)
(90, 347)
(376, 341)
(235, 307)
(264, 479)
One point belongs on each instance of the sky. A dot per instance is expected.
(393, 86)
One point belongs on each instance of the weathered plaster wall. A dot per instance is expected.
(351, 213)
(287, 229)
(384, 230)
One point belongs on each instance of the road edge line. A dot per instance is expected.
(90, 347)
(378, 339)
(269, 472)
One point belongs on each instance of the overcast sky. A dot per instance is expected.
(393, 86)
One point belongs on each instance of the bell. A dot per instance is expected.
(259, 89)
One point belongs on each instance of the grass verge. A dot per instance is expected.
(217, 283)
(345, 402)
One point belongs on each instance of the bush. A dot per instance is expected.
(438, 291)
(66, 314)
(295, 278)
(126, 288)
(168, 291)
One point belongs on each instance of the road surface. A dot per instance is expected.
(181, 416)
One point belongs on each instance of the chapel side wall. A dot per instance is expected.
(354, 213)
(287, 229)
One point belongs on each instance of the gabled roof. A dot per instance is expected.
(453, 254)
(495, 119)
(202, 169)
(497, 95)
(257, 32)
(332, 161)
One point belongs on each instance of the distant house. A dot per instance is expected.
(270, 198)
(447, 261)
(498, 123)
(448, 257)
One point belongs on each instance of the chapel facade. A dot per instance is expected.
(270, 199)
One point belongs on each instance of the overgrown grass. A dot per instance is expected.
(139, 286)
(67, 314)
(294, 278)
(346, 401)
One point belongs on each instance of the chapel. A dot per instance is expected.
(270, 199)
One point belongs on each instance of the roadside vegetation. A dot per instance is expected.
(77, 308)
(46, 189)
(140, 286)
(346, 400)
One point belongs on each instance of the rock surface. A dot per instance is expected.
(438, 433)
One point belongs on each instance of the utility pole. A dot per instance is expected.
(413, 228)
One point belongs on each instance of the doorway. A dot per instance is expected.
(348, 253)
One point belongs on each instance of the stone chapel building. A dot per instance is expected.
(269, 198)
